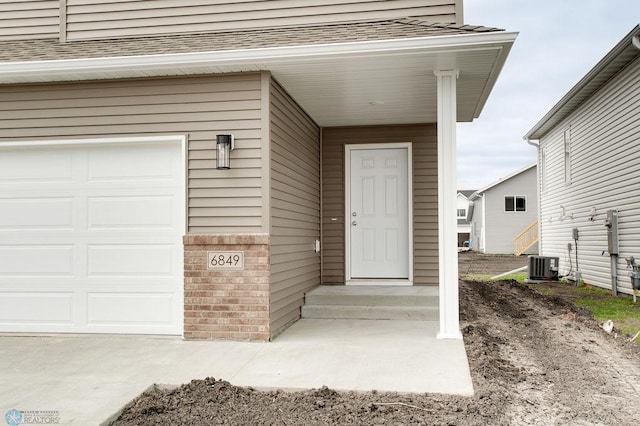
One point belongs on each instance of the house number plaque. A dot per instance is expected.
(225, 260)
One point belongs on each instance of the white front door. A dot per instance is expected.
(378, 213)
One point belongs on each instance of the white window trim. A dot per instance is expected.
(514, 204)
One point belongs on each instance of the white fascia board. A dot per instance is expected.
(118, 66)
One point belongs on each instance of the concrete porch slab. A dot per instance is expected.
(396, 356)
(88, 378)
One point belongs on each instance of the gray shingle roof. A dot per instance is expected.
(52, 49)
(466, 192)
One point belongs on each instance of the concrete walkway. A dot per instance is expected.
(88, 378)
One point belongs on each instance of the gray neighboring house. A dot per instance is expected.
(589, 161)
(194, 168)
(462, 214)
(503, 211)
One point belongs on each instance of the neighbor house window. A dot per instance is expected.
(462, 212)
(515, 203)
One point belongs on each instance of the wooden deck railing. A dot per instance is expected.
(525, 239)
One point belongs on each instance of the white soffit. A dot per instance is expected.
(374, 82)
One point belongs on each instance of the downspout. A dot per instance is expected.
(532, 143)
(537, 146)
(611, 223)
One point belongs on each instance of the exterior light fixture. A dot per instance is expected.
(224, 146)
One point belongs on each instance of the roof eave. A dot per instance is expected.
(178, 63)
(583, 89)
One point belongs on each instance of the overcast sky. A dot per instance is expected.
(559, 41)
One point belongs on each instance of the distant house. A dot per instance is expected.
(588, 155)
(503, 211)
(462, 210)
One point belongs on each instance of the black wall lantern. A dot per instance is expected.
(224, 146)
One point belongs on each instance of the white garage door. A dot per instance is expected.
(91, 237)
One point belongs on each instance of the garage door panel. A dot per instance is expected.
(23, 260)
(140, 163)
(91, 237)
(132, 308)
(133, 211)
(129, 284)
(42, 308)
(131, 259)
(36, 166)
(41, 213)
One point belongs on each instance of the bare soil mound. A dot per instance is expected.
(534, 360)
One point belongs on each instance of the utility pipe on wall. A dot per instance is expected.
(611, 223)
(614, 274)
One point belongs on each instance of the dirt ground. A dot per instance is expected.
(473, 263)
(534, 359)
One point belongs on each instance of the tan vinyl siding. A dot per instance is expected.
(220, 201)
(425, 195)
(605, 142)
(89, 19)
(29, 19)
(295, 207)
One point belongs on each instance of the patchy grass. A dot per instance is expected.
(604, 306)
(619, 309)
(546, 291)
(516, 277)
(488, 277)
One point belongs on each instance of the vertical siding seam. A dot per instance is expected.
(459, 12)
(63, 21)
(265, 111)
(321, 209)
(185, 165)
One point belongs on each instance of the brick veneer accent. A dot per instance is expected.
(226, 304)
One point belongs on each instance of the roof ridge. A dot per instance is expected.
(447, 25)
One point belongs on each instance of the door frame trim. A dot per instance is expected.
(348, 148)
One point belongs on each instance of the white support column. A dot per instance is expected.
(447, 220)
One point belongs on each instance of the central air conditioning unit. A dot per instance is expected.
(542, 268)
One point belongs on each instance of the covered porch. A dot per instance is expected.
(383, 95)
